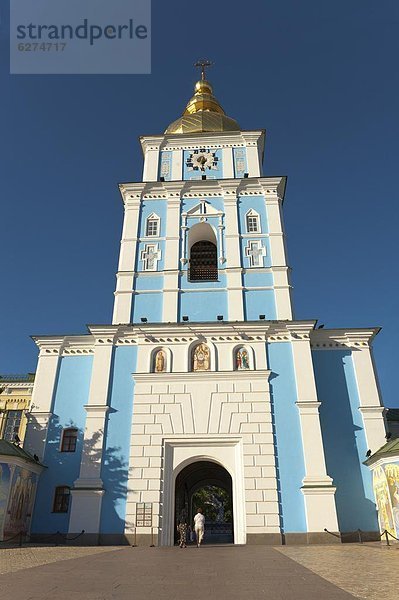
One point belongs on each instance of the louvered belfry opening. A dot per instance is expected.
(203, 262)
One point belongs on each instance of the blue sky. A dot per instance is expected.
(321, 77)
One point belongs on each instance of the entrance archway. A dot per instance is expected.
(207, 485)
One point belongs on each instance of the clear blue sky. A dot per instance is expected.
(321, 77)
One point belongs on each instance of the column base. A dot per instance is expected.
(320, 508)
(85, 510)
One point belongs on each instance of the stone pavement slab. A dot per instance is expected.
(219, 572)
(16, 559)
(369, 571)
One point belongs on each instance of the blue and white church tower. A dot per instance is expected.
(205, 380)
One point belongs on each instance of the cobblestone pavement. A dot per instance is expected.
(16, 559)
(213, 572)
(368, 571)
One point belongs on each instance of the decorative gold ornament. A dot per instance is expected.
(203, 112)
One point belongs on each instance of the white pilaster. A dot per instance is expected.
(232, 242)
(370, 402)
(43, 395)
(253, 162)
(127, 259)
(177, 165)
(88, 492)
(228, 167)
(151, 161)
(172, 265)
(317, 485)
(279, 259)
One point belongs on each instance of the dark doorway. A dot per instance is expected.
(206, 485)
(203, 262)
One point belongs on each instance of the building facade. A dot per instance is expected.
(15, 401)
(205, 383)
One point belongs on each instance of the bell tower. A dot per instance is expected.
(203, 234)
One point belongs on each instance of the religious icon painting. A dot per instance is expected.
(201, 358)
(160, 362)
(242, 359)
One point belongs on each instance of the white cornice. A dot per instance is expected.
(273, 188)
(329, 339)
(223, 139)
(200, 376)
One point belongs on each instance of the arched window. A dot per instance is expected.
(159, 365)
(61, 499)
(241, 359)
(253, 222)
(203, 261)
(201, 358)
(69, 439)
(152, 225)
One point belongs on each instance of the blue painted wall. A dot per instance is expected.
(245, 203)
(203, 306)
(344, 439)
(256, 278)
(147, 207)
(288, 438)
(71, 394)
(148, 281)
(147, 305)
(259, 302)
(114, 472)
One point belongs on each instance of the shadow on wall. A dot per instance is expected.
(344, 440)
(63, 468)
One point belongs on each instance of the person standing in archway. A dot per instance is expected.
(182, 529)
(199, 526)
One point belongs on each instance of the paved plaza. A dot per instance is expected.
(336, 572)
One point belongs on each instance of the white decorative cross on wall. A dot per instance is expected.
(150, 257)
(255, 251)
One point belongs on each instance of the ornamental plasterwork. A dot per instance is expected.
(202, 212)
(255, 251)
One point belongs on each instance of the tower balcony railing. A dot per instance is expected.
(203, 273)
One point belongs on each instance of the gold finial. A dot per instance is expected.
(203, 112)
(202, 64)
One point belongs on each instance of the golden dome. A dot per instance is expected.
(203, 113)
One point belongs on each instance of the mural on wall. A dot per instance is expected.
(4, 488)
(160, 362)
(392, 475)
(242, 359)
(20, 503)
(386, 490)
(201, 358)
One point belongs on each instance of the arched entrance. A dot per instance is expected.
(207, 485)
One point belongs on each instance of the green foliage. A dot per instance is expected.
(215, 503)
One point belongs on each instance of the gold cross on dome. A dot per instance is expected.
(202, 64)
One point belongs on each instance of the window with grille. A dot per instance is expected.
(69, 439)
(12, 424)
(61, 499)
(253, 223)
(152, 229)
(203, 262)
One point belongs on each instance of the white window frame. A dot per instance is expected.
(252, 214)
(152, 218)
